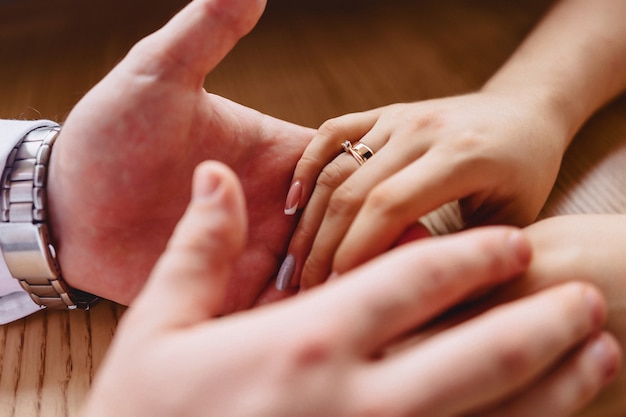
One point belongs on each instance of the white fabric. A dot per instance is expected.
(15, 303)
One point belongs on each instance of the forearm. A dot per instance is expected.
(572, 63)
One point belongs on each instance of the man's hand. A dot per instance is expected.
(121, 169)
(327, 352)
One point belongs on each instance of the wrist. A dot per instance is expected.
(546, 106)
(63, 217)
(28, 250)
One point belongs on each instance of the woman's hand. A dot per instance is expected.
(498, 155)
(321, 354)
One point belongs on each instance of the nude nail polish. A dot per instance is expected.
(285, 273)
(293, 198)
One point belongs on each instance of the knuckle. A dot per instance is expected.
(198, 234)
(380, 309)
(316, 269)
(344, 201)
(331, 176)
(304, 234)
(315, 346)
(308, 354)
(466, 149)
(311, 352)
(330, 128)
(429, 120)
(492, 254)
(512, 361)
(379, 200)
(308, 161)
(468, 141)
(471, 152)
(384, 201)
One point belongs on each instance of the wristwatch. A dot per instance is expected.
(24, 233)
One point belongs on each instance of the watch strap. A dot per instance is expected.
(24, 235)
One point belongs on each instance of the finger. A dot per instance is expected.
(346, 202)
(410, 285)
(307, 228)
(189, 281)
(324, 147)
(194, 41)
(494, 355)
(412, 233)
(399, 201)
(571, 386)
(330, 178)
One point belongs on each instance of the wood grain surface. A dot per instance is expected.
(306, 61)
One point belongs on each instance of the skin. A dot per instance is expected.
(497, 151)
(206, 269)
(222, 255)
(585, 248)
(341, 363)
(109, 233)
(580, 248)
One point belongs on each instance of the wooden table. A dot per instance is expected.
(308, 60)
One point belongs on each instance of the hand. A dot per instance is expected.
(582, 248)
(320, 353)
(121, 169)
(498, 155)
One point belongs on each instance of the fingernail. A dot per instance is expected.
(605, 355)
(206, 184)
(293, 198)
(285, 273)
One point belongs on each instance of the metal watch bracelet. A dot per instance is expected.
(24, 235)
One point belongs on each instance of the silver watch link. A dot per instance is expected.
(24, 235)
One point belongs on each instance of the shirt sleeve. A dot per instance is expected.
(15, 303)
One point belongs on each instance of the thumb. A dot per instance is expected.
(189, 281)
(194, 41)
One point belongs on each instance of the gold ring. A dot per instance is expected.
(361, 152)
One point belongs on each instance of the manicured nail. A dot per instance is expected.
(285, 273)
(293, 198)
(333, 276)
